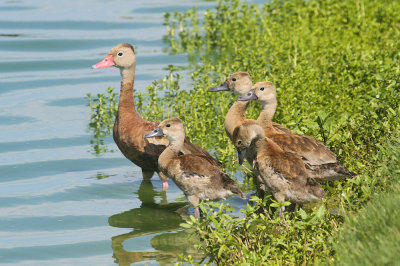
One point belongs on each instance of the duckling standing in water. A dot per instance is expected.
(282, 172)
(320, 162)
(196, 175)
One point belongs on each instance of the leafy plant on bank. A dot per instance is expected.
(336, 68)
(261, 236)
(373, 236)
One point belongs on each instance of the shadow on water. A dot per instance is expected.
(159, 219)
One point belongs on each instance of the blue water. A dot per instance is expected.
(59, 203)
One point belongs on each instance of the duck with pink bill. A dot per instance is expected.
(129, 126)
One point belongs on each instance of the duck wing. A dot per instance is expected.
(202, 166)
(281, 129)
(312, 150)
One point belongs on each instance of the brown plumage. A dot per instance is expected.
(130, 127)
(196, 175)
(320, 161)
(240, 83)
(283, 172)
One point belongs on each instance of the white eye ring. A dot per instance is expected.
(120, 53)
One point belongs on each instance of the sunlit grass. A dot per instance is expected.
(336, 66)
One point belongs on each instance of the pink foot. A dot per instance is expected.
(165, 186)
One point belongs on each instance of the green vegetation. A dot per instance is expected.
(103, 111)
(336, 66)
(373, 236)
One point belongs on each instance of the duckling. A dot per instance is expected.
(281, 171)
(240, 83)
(195, 174)
(320, 162)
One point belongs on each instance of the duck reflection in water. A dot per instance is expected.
(153, 218)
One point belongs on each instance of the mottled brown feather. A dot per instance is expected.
(311, 149)
(287, 163)
(201, 165)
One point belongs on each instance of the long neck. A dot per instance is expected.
(126, 99)
(266, 146)
(235, 116)
(267, 113)
(170, 152)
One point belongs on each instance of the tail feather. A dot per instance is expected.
(236, 190)
(231, 185)
(329, 171)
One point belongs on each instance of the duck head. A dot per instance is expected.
(121, 56)
(239, 83)
(171, 128)
(244, 135)
(263, 92)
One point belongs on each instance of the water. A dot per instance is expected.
(59, 203)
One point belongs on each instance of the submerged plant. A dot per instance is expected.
(103, 110)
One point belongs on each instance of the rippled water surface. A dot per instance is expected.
(59, 203)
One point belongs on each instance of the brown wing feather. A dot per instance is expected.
(309, 148)
(194, 149)
(287, 163)
(198, 163)
(202, 165)
(281, 129)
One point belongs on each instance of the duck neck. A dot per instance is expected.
(126, 103)
(267, 113)
(235, 116)
(266, 146)
(170, 152)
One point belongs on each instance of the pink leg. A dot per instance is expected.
(194, 200)
(197, 212)
(164, 186)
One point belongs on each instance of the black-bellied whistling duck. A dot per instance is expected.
(240, 83)
(196, 175)
(130, 127)
(319, 160)
(282, 172)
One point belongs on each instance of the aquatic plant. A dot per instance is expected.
(336, 66)
(103, 110)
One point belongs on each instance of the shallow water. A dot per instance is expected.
(59, 203)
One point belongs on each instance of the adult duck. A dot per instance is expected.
(282, 172)
(319, 160)
(129, 126)
(240, 83)
(195, 174)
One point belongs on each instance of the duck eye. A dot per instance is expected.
(120, 54)
(233, 79)
(239, 142)
(167, 125)
(262, 88)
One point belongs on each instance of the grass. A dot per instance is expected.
(372, 237)
(336, 66)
